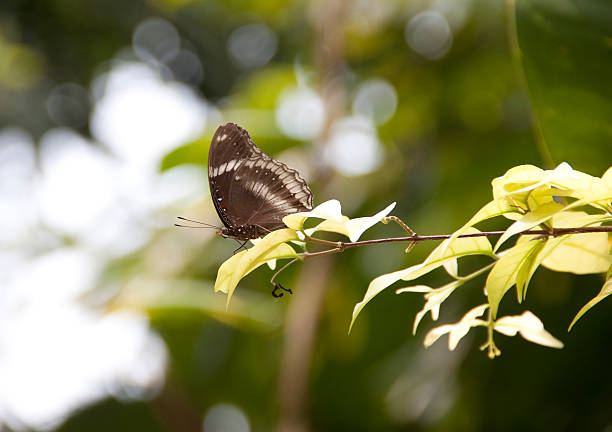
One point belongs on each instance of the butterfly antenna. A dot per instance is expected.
(200, 224)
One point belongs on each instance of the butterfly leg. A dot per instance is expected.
(241, 246)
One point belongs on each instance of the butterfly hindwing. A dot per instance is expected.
(250, 189)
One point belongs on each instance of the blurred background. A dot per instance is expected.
(108, 320)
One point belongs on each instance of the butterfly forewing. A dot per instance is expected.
(249, 188)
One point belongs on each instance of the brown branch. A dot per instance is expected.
(555, 232)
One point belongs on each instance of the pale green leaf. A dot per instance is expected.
(270, 247)
(490, 210)
(446, 251)
(330, 226)
(452, 268)
(457, 331)
(527, 269)
(515, 179)
(434, 298)
(607, 177)
(545, 195)
(529, 326)
(334, 221)
(356, 227)
(599, 199)
(519, 181)
(329, 210)
(530, 220)
(606, 290)
(504, 273)
(562, 219)
(581, 254)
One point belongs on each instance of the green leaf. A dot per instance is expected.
(566, 55)
(529, 326)
(238, 266)
(448, 250)
(505, 271)
(606, 290)
(195, 152)
(530, 220)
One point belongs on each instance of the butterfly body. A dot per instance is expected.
(251, 191)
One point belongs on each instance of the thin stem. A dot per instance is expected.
(341, 246)
(489, 345)
(555, 232)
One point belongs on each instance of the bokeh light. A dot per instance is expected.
(354, 148)
(300, 113)
(375, 98)
(429, 34)
(140, 117)
(252, 45)
(226, 418)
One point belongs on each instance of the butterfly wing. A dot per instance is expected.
(248, 187)
(272, 191)
(230, 147)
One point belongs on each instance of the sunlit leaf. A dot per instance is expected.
(528, 268)
(530, 220)
(329, 210)
(607, 177)
(529, 326)
(606, 290)
(335, 221)
(270, 247)
(581, 254)
(562, 219)
(459, 330)
(356, 227)
(434, 298)
(519, 181)
(446, 251)
(505, 271)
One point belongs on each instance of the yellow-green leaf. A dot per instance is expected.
(434, 298)
(527, 269)
(529, 326)
(504, 273)
(334, 221)
(519, 181)
(356, 227)
(457, 331)
(329, 210)
(446, 251)
(581, 254)
(530, 220)
(270, 247)
(606, 290)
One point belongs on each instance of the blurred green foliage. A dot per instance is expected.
(460, 121)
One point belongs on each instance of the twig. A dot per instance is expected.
(554, 232)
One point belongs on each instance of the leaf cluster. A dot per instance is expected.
(530, 197)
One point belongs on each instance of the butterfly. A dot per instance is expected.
(251, 191)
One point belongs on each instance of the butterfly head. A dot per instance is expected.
(242, 232)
